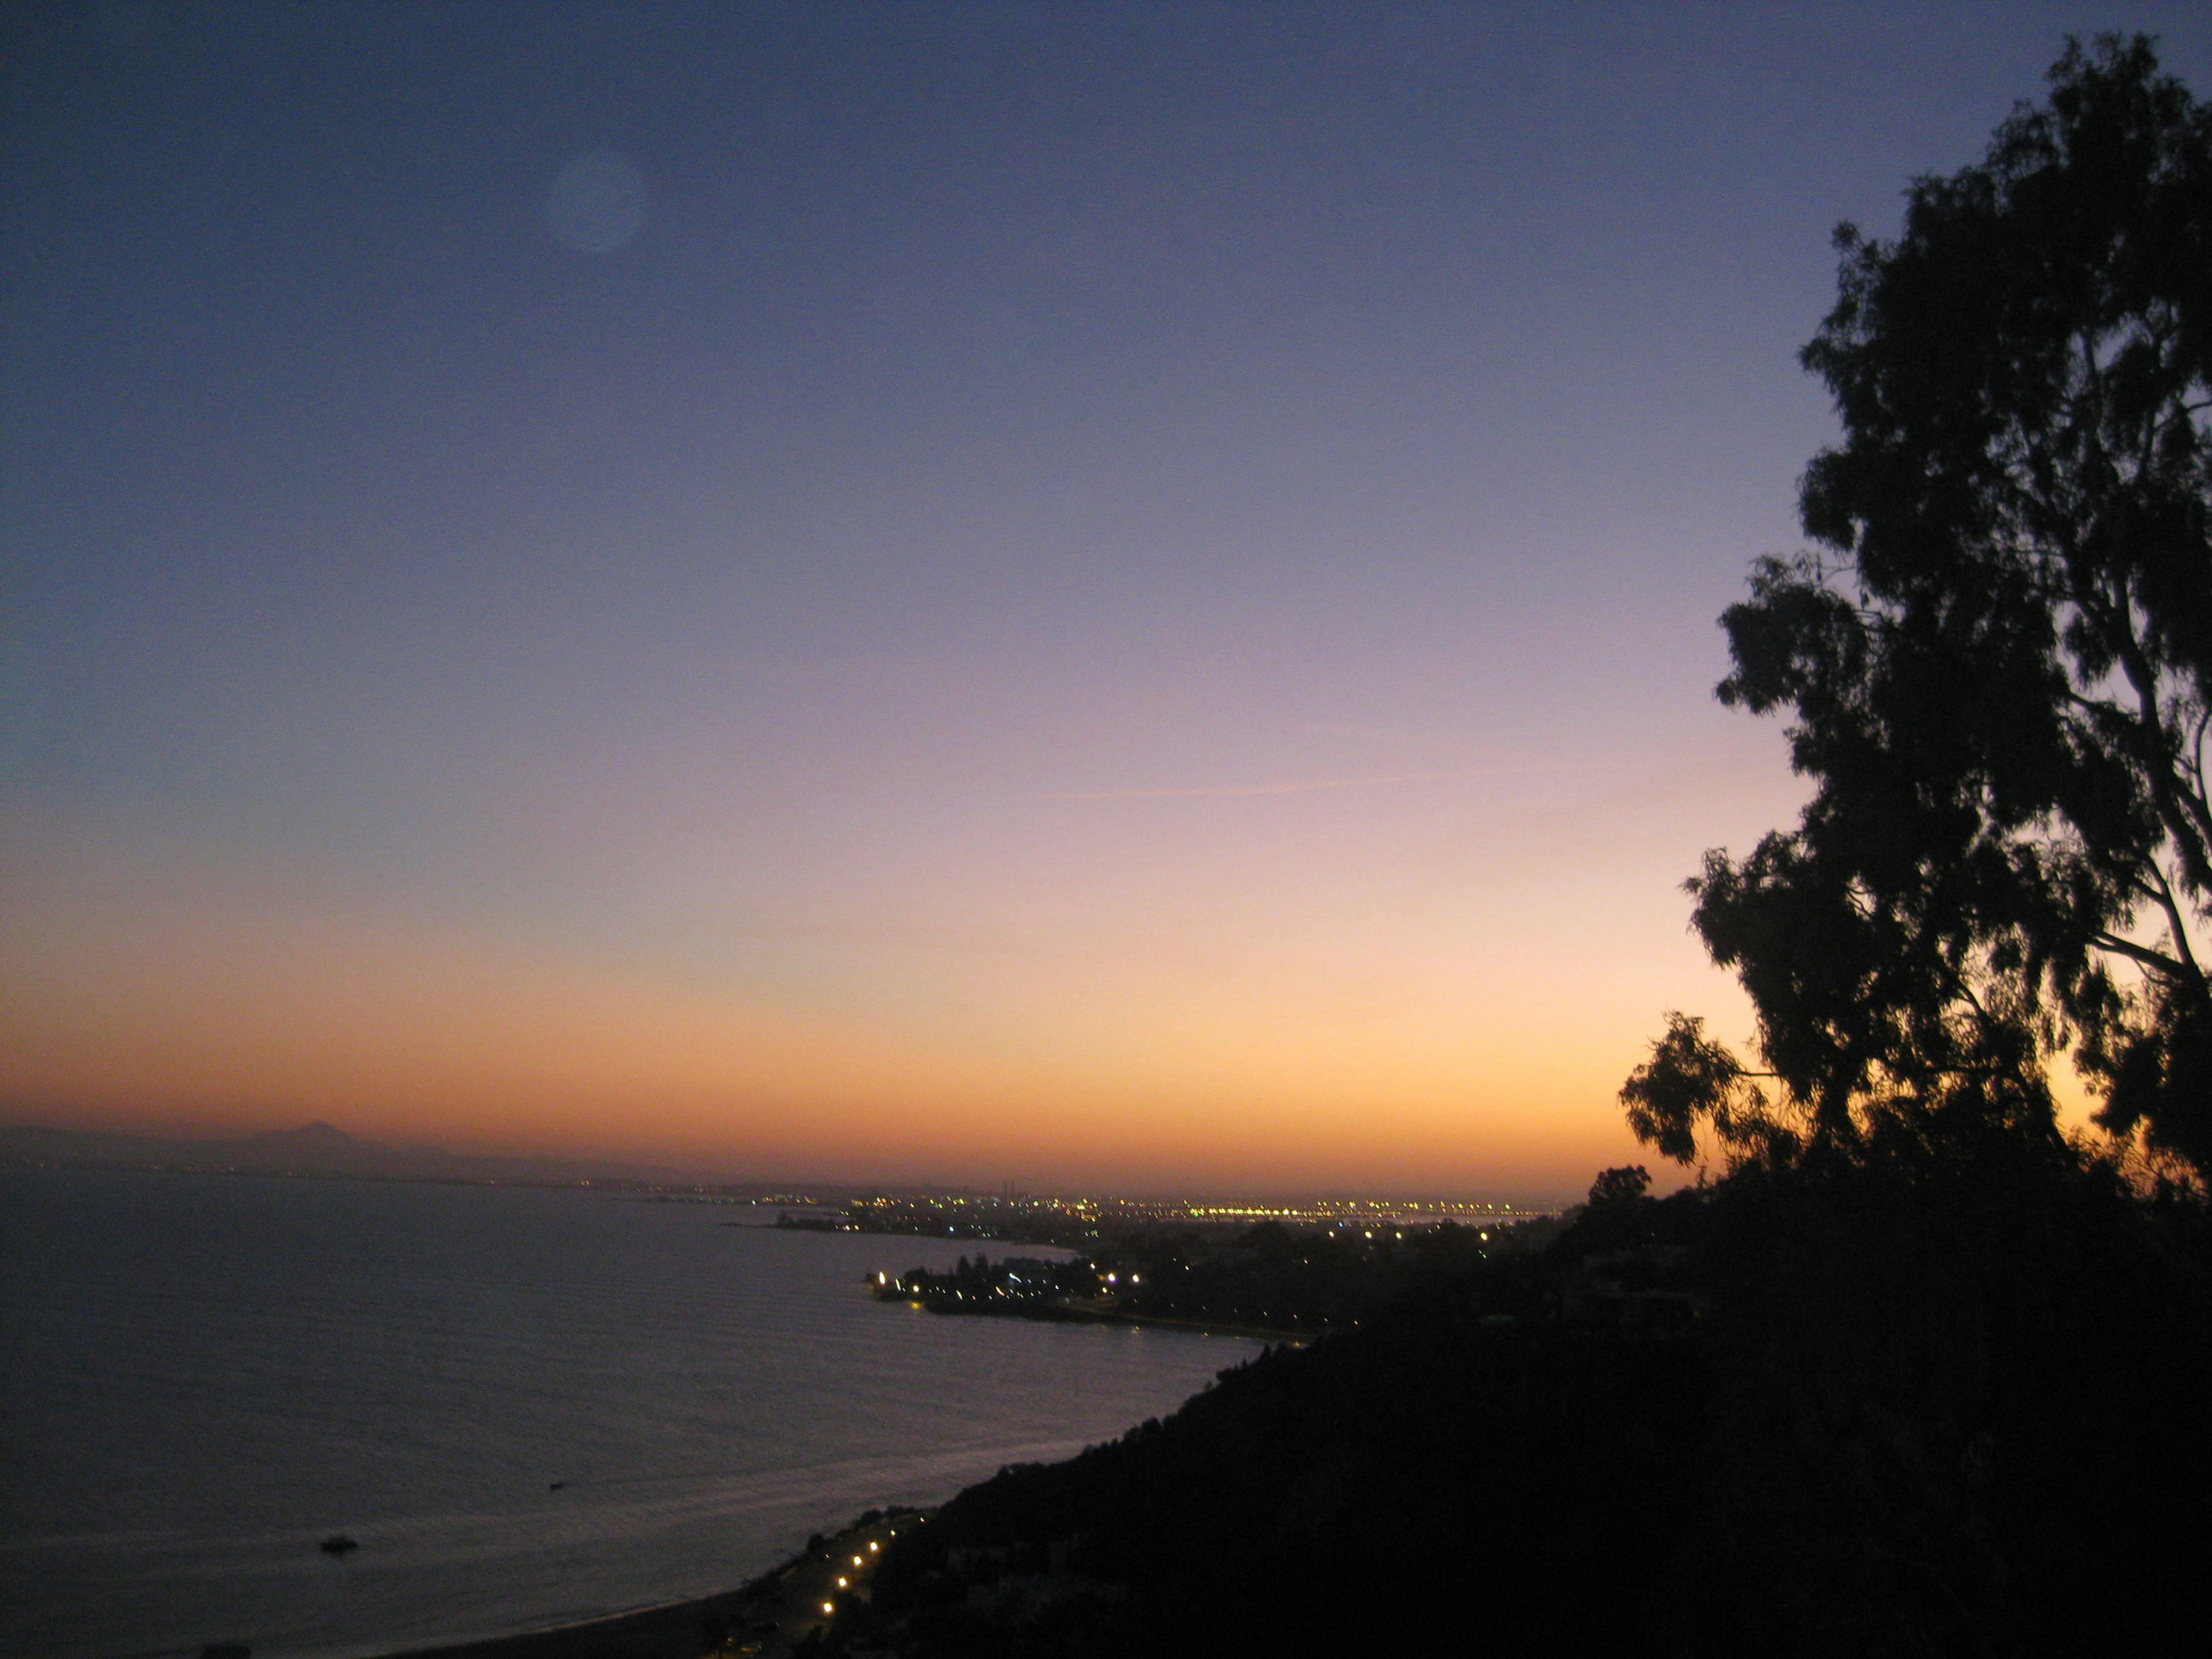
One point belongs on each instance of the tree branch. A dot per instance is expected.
(2157, 961)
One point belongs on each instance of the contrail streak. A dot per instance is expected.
(1305, 787)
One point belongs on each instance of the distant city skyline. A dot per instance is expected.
(1119, 594)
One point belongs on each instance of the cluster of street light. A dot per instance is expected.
(845, 1581)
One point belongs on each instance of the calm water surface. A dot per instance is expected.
(202, 1376)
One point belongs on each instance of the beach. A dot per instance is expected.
(764, 1619)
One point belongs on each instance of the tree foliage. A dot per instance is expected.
(1996, 662)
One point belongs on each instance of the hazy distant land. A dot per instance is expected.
(322, 1150)
(314, 1149)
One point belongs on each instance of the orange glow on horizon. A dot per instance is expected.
(214, 1007)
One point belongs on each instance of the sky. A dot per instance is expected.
(1104, 596)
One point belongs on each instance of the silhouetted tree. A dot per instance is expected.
(1997, 665)
(1617, 1189)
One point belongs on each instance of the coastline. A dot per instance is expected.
(674, 1630)
(1062, 1313)
(765, 1617)
(786, 1325)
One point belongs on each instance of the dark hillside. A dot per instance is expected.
(1960, 1407)
(1416, 1479)
(1948, 1406)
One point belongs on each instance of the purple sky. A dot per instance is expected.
(1063, 593)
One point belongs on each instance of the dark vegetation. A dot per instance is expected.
(1910, 1370)
(1950, 1404)
(1996, 665)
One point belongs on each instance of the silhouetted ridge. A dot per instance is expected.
(1946, 1404)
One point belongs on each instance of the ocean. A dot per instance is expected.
(201, 1377)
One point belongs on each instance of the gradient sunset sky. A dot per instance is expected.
(1086, 595)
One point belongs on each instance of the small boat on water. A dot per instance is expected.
(337, 1544)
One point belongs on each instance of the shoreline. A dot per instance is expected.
(769, 1614)
(1045, 1311)
(766, 1616)
(668, 1630)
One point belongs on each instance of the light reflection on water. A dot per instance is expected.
(204, 1376)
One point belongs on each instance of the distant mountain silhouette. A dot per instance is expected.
(316, 1149)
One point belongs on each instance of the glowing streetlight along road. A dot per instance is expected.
(810, 1594)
